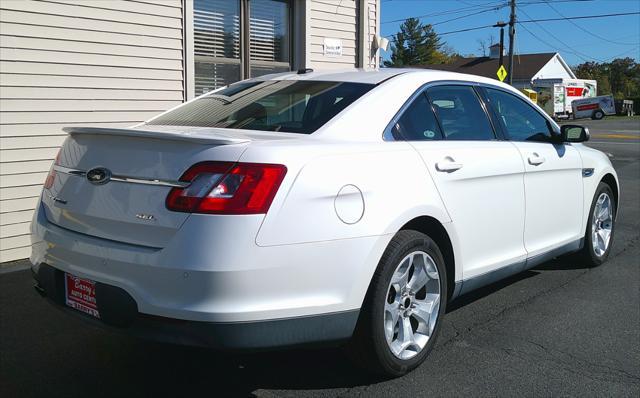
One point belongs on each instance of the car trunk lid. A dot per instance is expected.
(143, 165)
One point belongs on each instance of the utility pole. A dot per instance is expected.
(501, 25)
(501, 46)
(512, 34)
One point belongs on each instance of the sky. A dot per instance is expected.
(598, 39)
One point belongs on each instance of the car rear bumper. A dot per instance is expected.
(284, 295)
(119, 313)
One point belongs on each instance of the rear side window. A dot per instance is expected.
(460, 113)
(520, 121)
(417, 123)
(274, 105)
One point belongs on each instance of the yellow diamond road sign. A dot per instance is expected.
(502, 73)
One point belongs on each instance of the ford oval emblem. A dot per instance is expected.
(99, 175)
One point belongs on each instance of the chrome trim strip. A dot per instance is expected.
(126, 179)
(69, 170)
(148, 181)
(467, 285)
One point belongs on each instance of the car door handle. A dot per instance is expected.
(536, 160)
(448, 165)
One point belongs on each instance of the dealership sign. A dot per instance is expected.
(332, 47)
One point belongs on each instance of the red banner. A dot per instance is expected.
(574, 91)
(587, 107)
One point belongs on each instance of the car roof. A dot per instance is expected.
(376, 76)
(371, 76)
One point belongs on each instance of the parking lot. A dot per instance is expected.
(559, 329)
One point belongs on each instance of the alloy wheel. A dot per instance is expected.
(412, 305)
(602, 224)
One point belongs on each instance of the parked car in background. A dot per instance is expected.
(317, 207)
(595, 107)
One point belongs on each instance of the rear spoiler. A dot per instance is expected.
(206, 137)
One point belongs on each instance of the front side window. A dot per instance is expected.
(273, 105)
(520, 121)
(417, 123)
(460, 113)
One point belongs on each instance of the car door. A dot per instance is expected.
(553, 173)
(478, 177)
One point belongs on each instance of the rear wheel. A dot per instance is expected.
(400, 317)
(600, 227)
(597, 115)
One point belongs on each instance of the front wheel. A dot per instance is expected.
(600, 226)
(400, 318)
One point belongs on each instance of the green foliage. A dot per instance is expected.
(418, 44)
(620, 77)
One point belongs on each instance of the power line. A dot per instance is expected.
(586, 30)
(527, 3)
(465, 30)
(468, 15)
(456, 31)
(549, 44)
(578, 17)
(488, 6)
(567, 48)
(522, 22)
(622, 53)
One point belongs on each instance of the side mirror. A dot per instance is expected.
(574, 133)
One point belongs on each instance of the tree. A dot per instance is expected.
(620, 77)
(483, 46)
(416, 44)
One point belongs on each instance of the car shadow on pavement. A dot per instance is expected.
(563, 263)
(566, 262)
(482, 292)
(44, 351)
(170, 370)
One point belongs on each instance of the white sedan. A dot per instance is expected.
(316, 207)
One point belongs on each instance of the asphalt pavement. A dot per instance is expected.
(560, 329)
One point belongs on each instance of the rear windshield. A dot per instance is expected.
(276, 105)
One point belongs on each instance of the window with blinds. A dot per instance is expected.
(220, 44)
(269, 37)
(216, 43)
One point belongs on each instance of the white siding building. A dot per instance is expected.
(119, 62)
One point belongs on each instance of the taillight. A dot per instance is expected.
(227, 188)
(51, 177)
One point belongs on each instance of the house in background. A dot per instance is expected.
(527, 68)
(118, 62)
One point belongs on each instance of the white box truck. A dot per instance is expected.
(555, 96)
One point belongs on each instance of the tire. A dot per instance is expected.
(370, 346)
(598, 115)
(592, 254)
